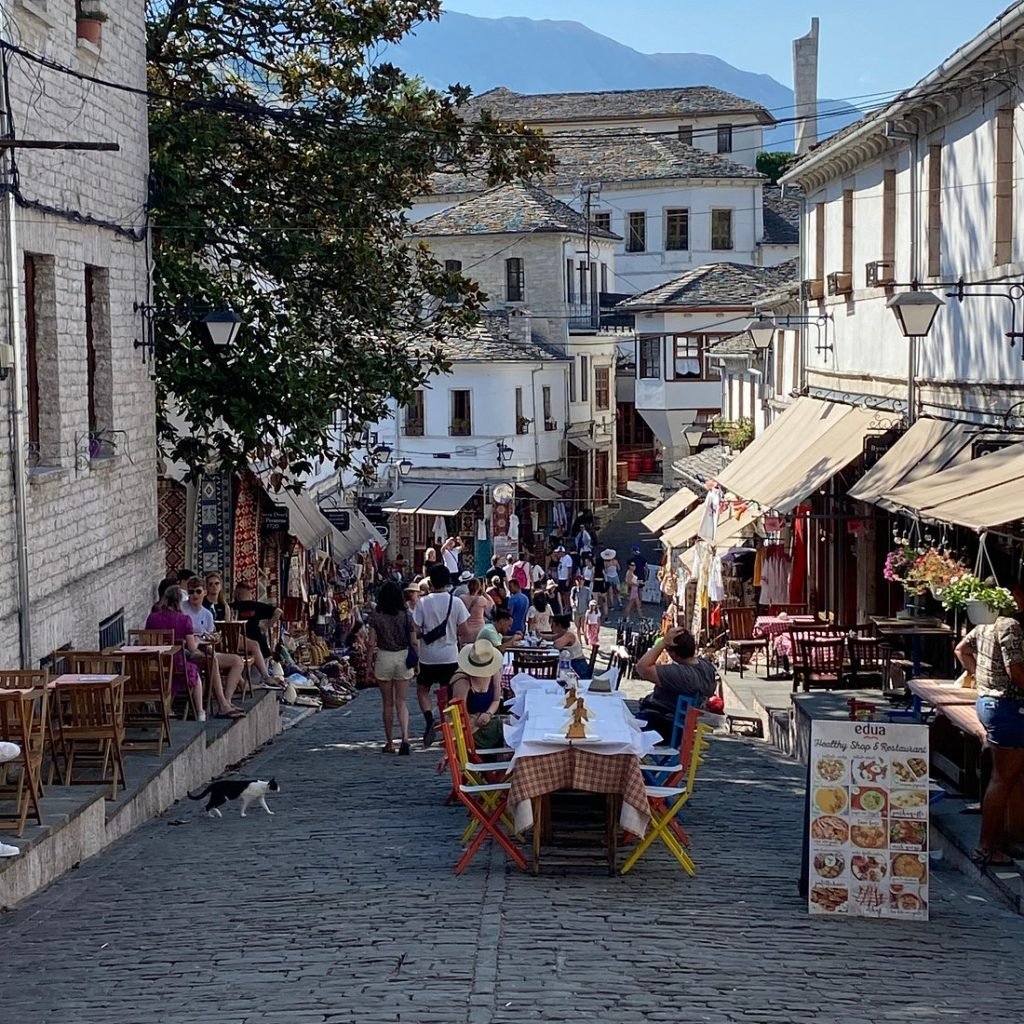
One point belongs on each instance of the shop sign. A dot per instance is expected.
(337, 517)
(275, 519)
(867, 828)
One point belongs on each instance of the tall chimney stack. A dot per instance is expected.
(805, 88)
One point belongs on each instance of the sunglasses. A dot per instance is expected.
(196, 590)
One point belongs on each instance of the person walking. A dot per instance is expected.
(392, 639)
(479, 606)
(593, 625)
(633, 598)
(611, 576)
(564, 580)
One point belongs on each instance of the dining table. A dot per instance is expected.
(915, 629)
(939, 693)
(545, 761)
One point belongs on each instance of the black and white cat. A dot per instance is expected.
(249, 790)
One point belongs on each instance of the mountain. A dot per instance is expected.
(565, 56)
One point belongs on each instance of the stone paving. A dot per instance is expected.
(343, 907)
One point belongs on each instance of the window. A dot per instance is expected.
(44, 428)
(725, 138)
(570, 285)
(514, 284)
(452, 267)
(688, 360)
(413, 424)
(889, 221)
(602, 388)
(819, 241)
(1004, 186)
(549, 422)
(721, 229)
(462, 421)
(572, 380)
(649, 362)
(584, 378)
(522, 426)
(98, 365)
(677, 230)
(934, 211)
(581, 269)
(848, 231)
(603, 220)
(686, 134)
(604, 277)
(636, 232)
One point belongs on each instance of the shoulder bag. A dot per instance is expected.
(412, 657)
(435, 634)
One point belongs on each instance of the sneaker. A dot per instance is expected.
(8, 851)
(9, 751)
(428, 735)
(403, 749)
(202, 716)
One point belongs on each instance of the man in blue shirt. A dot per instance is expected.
(518, 605)
(641, 565)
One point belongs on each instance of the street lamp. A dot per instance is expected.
(915, 312)
(694, 436)
(405, 467)
(223, 326)
(761, 332)
(504, 453)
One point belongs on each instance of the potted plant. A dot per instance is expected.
(88, 22)
(934, 569)
(982, 600)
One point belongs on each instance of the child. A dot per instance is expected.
(593, 625)
(581, 596)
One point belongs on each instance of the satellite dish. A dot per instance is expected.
(503, 494)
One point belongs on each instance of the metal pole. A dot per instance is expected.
(17, 400)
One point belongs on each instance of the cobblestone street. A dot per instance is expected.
(343, 907)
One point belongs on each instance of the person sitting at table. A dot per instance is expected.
(539, 616)
(252, 613)
(477, 681)
(499, 630)
(994, 655)
(479, 606)
(216, 601)
(566, 639)
(229, 665)
(685, 675)
(170, 617)
(497, 592)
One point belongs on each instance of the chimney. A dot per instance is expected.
(805, 88)
(518, 326)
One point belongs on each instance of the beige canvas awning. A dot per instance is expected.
(305, 523)
(408, 497)
(669, 510)
(536, 490)
(448, 500)
(806, 446)
(927, 448)
(980, 494)
(730, 526)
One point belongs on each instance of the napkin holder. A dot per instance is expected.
(577, 730)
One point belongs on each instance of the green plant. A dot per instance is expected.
(774, 164)
(934, 569)
(737, 434)
(968, 587)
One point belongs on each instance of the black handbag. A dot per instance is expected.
(435, 634)
(412, 658)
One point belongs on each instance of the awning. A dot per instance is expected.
(730, 526)
(584, 442)
(669, 510)
(980, 494)
(305, 523)
(345, 543)
(448, 500)
(806, 446)
(536, 490)
(927, 448)
(408, 497)
(557, 484)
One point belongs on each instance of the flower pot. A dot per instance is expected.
(980, 614)
(89, 29)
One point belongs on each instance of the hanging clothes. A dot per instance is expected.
(776, 567)
(513, 526)
(709, 520)
(798, 574)
(481, 530)
(758, 565)
(716, 586)
(439, 530)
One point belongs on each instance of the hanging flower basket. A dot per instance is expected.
(979, 613)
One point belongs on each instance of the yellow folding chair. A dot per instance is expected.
(667, 801)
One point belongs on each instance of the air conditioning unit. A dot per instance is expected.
(812, 289)
(840, 283)
(880, 273)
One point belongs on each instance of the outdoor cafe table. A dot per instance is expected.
(544, 761)
(939, 694)
(915, 629)
(777, 627)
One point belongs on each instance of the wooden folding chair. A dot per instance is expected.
(233, 641)
(666, 803)
(739, 624)
(92, 713)
(487, 804)
(95, 664)
(147, 696)
(19, 679)
(869, 657)
(151, 637)
(23, 722)
(534, 663)
(818, 659)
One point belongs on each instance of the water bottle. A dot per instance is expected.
(564, 667)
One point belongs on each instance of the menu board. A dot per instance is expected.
(868, 826)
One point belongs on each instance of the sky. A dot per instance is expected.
(866, 46)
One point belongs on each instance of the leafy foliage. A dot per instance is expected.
(774, 164)
(282, 162)
(737, 434)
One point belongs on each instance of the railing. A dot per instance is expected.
(584, 316)
(413, 428)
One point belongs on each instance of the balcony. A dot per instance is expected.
(584, 316)
(413, 428)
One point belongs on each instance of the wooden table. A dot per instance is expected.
(939, 694)
(914, 629)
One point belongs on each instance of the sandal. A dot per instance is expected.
(991, 858)
(387, 749)
(234, 713)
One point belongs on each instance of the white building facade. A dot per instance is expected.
(86, 403)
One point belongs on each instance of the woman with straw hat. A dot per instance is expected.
(611, 576)
(478, 682)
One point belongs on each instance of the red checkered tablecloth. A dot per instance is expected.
(777, 627)
(575, 768)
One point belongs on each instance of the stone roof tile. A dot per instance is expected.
(781, 216)
(715, 284)
(492, 340)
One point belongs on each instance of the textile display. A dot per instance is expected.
(214, 524)
(172, 521)
(709, 521)
(513, 527)
(776, 566)
(247, 535)
(439, 530)
(798, 573)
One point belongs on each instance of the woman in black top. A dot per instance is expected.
(391, 636)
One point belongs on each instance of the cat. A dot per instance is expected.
(250, 791)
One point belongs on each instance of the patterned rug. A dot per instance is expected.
(246, 549)
(214, 517)
(172, 521)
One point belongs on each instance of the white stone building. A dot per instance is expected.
(86, 404)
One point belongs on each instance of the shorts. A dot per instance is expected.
(600, 587)
(564, 587)
(1003, 720)
(439, 674)
(612, 581)
(390, 666)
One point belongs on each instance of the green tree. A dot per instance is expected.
(774, 164)
(284, 150)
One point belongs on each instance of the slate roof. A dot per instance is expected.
(686, 101)
(515, 209)
(490, 340)
(740, 344)
(613, 155)
(781, 216)
(695, 470)
(715, 284)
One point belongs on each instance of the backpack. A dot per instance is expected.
(519, 575)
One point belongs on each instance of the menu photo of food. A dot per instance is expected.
(870, 799)
(908, 803)
(831, 799)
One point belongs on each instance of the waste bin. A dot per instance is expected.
(622, 476)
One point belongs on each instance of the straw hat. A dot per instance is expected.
(608, 553)
(465, 577)
(480, 658)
